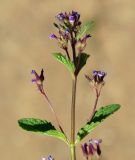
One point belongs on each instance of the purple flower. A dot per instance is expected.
(76, 14)
(48, 158)
(97, 148)
(85, 150)
(71, 19)
(61, 16)
(97, 142)
(74, 17)
(38, 80)
(53, 36)
(67, 18)
(98, 76)
(92, 148)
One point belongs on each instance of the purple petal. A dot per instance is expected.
(50, 158)
(33, 80)
(95, 72)
(85, 149)
(60, 16)
(71, 19)
(76, 14)
(33, 72)
(91, 149)
(53, 36)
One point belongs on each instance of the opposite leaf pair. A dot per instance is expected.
(46, 128)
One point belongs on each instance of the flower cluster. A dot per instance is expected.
(92, 148)
(97, 77)
(68, 26)
(69, 18)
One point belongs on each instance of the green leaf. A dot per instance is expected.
(63, 59)
(81, 61)
(42, 127)
(85, 29)
(99, 116)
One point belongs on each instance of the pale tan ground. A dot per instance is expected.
(24, 45)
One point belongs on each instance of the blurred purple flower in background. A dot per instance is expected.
(92, 148)
(48, 158)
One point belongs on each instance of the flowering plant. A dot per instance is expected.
(72, 39)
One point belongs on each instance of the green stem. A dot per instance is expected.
(72, 146)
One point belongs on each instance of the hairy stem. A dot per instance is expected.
(55, 115)
(95, 104)
(72, 147)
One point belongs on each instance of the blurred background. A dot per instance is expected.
(24, 45)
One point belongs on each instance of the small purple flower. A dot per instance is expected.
(60, 16)
(85, 150)
(97, 142)
(38, 80)
(76, 14)
(53, 36)
(98, 76)
(48, 158)
(71, 19)
(92, 148)
(74, 17)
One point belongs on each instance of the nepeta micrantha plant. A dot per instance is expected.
(72, 38)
